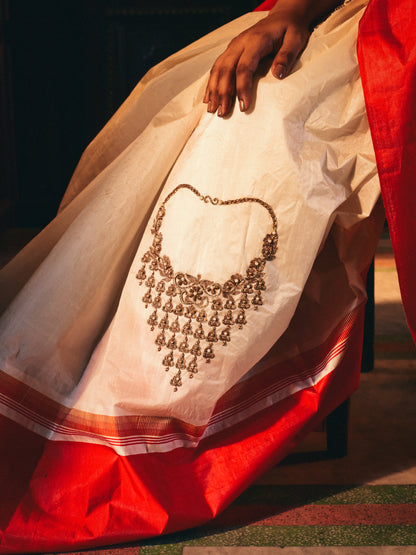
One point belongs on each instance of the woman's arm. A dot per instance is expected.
(284, 33)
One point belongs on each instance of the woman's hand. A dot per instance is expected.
(284, 33)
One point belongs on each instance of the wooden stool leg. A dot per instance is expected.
(367, 360)
(337, 421)
(337, 431)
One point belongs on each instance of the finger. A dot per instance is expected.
(248, 65)
(244, 85)
(207, 93)
(212, 83)
(292, 46)
(210, 91)
(220, 91)
(225, 92)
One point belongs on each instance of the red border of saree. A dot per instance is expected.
(387, 59)
(142, 434)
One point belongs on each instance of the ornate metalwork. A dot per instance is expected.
(196, 308)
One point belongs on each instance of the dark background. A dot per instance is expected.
(65, 67)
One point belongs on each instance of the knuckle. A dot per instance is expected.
(236, 41)
(215, 67)
(226, 91)
(222, 69)
(287, 55)
(213, 95)
(225, 71)
(244, 69)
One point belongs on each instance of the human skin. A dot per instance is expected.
(283, 34)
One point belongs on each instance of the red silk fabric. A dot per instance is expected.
(387, 59)
(267, 5)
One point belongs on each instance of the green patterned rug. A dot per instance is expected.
(306, 516)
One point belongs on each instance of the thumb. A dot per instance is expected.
(293, 44)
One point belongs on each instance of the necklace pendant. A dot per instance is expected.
(141, 274)
(212, 336)
(184, 346)
(209, 353)
(225, 336)
(196, 349)
(244, 302)
(150, 282)
(157, 302)
(228, 319)
(160, 287)
(202, 316)
(160, 340)
(172, 343)
(214, 320)
(153, 265)
(176, 381)
(257, 300)
(180, 363)
(190, 312)
(193, 367)
(199, 332)
(181, 280)
(260, 285)
(168, 360)
(164, 322)
(146, 258)
(217, 304)
(152, 320)
(156, 248)
(237, 279)
(178, 310)
(241, 319)
(187, 329)
(171, 290)
(230, 303)
(175, 327)
(270, 245)
(168, 307)
(248, 288)
(147, 298)
(195, 294)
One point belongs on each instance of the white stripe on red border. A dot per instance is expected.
(144, 443)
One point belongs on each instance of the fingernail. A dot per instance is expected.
(280, 71)
(210, 107)
(220, 110)
(242, 106)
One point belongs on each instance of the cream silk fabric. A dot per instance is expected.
(74, 326)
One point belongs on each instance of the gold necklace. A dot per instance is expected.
(194, 313)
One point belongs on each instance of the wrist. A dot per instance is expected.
(306, 13)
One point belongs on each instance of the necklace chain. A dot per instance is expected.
(218, 202)
(200, 303)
